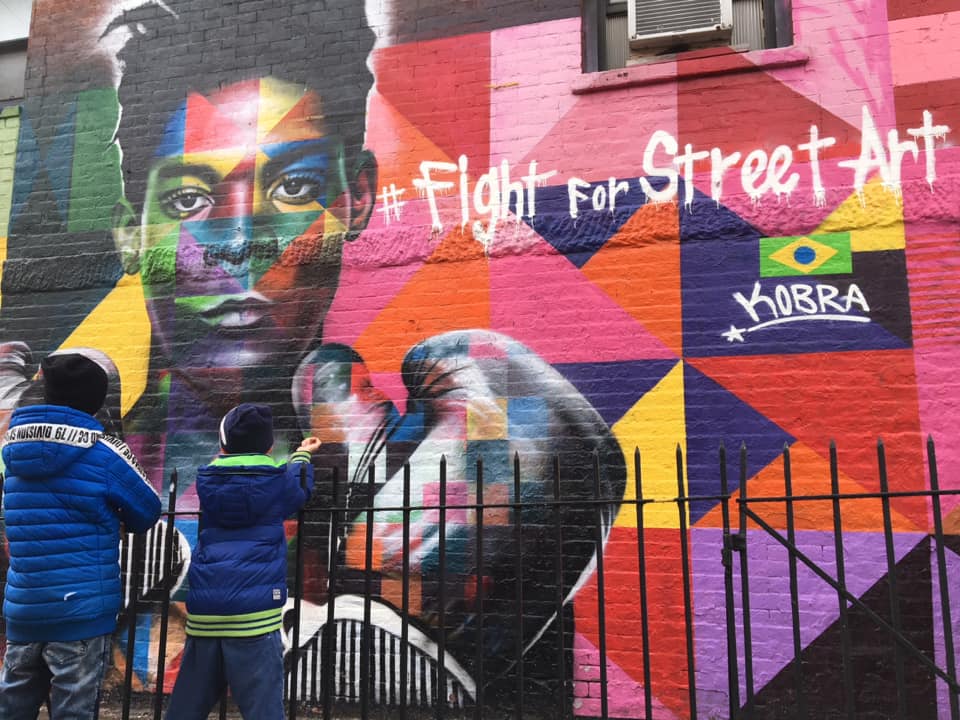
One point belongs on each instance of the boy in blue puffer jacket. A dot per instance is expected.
(68, 486)
(238, 572)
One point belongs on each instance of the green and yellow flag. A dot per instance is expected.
(827, 254)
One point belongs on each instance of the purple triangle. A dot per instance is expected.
(865, 564)
(578, 239)
(613, 388)
(715, 415)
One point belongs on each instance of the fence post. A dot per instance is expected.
(794, 584)
(740, 544)
(726, 554)
(135, 562)
(329, 637)
(367, 630)
(478, 591)
(405, 598)
(558, 574)
(848, 690)
(298, 594)
(441, 684)
(945, 612)
(518, 565)
(685, 572)
(892, 580)
(166, 585)
(642, 571)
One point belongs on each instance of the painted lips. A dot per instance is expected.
(238, 315)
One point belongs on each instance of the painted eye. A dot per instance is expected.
(297, 190)
(185, 202)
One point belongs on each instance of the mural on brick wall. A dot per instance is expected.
(456, 244)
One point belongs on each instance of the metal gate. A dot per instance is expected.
(906, 661)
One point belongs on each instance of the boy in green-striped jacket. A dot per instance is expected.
(238, 571)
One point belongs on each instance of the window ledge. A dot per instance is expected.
(690, 65)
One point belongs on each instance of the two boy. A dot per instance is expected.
(67, 489)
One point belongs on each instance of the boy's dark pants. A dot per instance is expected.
(251, 666)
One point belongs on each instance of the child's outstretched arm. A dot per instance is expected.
(300, 475)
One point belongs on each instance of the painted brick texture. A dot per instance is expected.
(420, 231)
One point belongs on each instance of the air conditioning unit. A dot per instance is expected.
(659, 23)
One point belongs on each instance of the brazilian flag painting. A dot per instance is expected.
(827, 254)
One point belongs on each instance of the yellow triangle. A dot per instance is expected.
(655, 424)
(876, 223)
(120, 327)
(332, 224)
(222, 161)
(277, 98)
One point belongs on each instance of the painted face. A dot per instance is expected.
(246, 206)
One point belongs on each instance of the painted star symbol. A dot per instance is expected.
(734, 333)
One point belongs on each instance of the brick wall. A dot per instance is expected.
(716, 247)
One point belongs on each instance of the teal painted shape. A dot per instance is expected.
(53, 163)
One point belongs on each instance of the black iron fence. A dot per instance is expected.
(378, 621)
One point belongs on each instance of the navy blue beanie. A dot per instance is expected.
(248, 428)
(73, 380)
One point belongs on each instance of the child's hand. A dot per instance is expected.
(310, 445)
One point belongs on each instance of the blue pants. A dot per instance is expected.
(251, 667)
(70, 672)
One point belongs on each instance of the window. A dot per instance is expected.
(14, 28)
(13, 68)
(756, 24)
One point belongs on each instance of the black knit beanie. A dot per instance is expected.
(73, 380)
(248, 428)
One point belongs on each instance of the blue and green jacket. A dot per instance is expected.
(238, 571)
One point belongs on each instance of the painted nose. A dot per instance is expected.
(240, 246)
(232, 245)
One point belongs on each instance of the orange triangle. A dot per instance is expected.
(810, 475)
(951, 523)
(639, 267)
(398, 145)
(851, 397)
(457, 272)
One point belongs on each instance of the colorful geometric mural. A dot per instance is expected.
(357, 224)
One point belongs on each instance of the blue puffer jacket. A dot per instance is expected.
(238, 570)
(67, 488)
